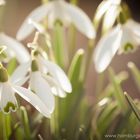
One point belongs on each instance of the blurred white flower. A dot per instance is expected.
(14, 48)
(58, 10)
(2, 2)
(122, 37)
(109, 11)
(8, 88)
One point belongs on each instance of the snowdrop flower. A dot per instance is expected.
(109, 10)
(14, 48)
(10, 87)
(50, 72)
(58, 10)
(123, 37)
(45, 79)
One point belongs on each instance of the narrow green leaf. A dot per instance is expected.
(75, 68)
(7, 126)
(133, 106)
(135, 72)
(58, 45)
(118, 92)
(25, 121)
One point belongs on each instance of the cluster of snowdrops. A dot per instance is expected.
(41, 69)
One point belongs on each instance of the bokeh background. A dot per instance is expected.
(16, 11)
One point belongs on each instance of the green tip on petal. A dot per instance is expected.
(34, 66)
(58, 22)
(128, 48)
(10, 106)
(3, 74)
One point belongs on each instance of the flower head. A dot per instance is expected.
(58, 10)
(14, 48)
(10, 87)
(123, 37)
(109, 11)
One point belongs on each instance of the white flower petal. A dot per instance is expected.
(36, 15)
(107, 48)
(33, 99)
(58, 74)
(102, 8)
(37, 26)
(128, 38)
(115, 2)
(134, 26)
(42, 90)
(19, 50)
(55, 87)
(20, 72)
(110, 17)
(8, 101)
(2, 2)
(80, 20)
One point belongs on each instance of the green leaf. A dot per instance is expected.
(75, 68)
(135, 72)
(118, 92)
(58, 45)
(133, 106)
(25, 122)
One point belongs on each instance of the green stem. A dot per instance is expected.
(72, 43)
(7, 126)
(58, 45)
(88, 59)
(55, 120)
(25, 121)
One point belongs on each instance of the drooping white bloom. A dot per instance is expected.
(109, 11)
(55, 78)
(10, 87)
(58, 10)
(14, 48)
(122, 37)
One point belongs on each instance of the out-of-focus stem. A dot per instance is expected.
(6, 126)
(25, 123)
(88, 59)
(72, 43)
(58, 45)
(55, 120)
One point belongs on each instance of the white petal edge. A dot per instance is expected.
(20, 72)
(58, 74)
(80, 20)
(102, 8)
(110, 17)
(134, 26)
(33, 99)
(36, 15)
(107, 48)
(42, 90)
(7, 95)
(55, 87)
(12, 44)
